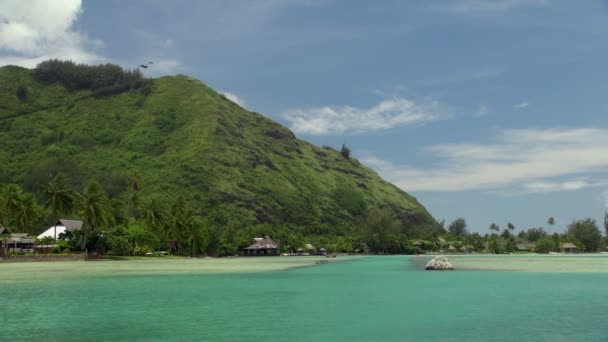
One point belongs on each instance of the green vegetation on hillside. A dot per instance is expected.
(239, 172)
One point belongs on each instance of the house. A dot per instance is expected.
(21, 242)
(322, 251)
(262, 246)
(524, 245)
(61, 227)
(311, 249)
(568, 247)
(4, 235)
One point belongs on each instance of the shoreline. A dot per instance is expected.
(142, 266)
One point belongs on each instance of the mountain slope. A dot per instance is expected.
(186, 139)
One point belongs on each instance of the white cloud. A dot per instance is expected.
(524, 160)
(521, 105)
(232, 97)
(568, 185)
(476, 6)
(36, 30)
(482, 111)
(346, 119)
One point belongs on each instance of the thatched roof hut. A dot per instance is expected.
(262, 246)
(568, 247)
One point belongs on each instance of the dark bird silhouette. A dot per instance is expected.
(143, 66)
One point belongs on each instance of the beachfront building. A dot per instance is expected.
(262, 246)
(62, 226)
(568, 247)
(524, 245)
(310, 249)
(20, 242)
(3, 240)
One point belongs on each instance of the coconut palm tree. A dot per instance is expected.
(551, 223)
(9, 202)
(27, 213)
(494, 227)
(95, 208)
(176, 222)
(60, 199)
(153, 218)
(197, 236)
(510, 226)
(135, 185)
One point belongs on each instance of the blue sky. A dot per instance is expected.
(490, 110)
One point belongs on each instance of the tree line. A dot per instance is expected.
(585, 234)
(131, 225)
(103, 79)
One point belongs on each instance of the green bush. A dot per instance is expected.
(22, 92)
(103, 80)
(545, 245)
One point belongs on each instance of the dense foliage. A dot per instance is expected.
(106, 79)
(239, 174)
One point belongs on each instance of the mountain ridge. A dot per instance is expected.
(184, 138)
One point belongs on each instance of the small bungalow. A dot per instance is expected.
(568, 247)
(525, 245)
(21, 242)
(322, 251)
(311, 249)
(61, 227)
(262, 246)
(3, 238)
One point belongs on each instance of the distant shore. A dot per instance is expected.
(35, 271)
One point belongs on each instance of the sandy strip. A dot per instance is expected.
(559, 263)
(150, 265)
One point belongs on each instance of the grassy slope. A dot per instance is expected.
(188, 139)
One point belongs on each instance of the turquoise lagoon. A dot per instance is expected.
(369, 299)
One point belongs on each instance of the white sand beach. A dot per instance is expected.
(148, 265)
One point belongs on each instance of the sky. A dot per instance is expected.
(491, 110)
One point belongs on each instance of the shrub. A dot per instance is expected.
(345, 152)
(22, 92)
(103, 79)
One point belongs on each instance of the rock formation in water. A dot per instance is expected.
(439, 263)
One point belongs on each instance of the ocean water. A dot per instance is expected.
(370, 299)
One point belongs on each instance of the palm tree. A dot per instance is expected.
(510, 226)
(60, 199)
(494, 227)
(176, 222)
(153, 218)
(551, 223)
(27, 213)
(197, 236)
(95, 209)
(9, 202)
(135, 185)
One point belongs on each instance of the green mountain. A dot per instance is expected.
(179, 137)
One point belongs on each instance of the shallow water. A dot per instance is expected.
(371, 299)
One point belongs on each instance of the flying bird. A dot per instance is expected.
(145, 66)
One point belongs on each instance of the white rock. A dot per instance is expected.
(439, 263)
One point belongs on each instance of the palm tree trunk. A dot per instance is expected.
(85, 236)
